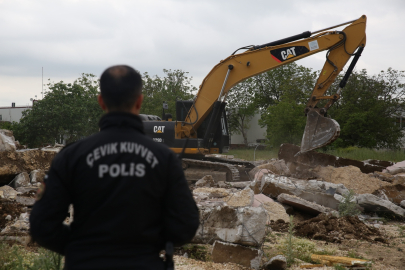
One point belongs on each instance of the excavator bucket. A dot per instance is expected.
(319, 131)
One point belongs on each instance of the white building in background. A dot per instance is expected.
(254, 133)
(13, 113)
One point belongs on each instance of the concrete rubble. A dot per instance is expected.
(236, 216)
(224, 252)
(319, 192)
(21, 180)
(372, 203)
(7, 141)
(19, 226)
(239, 225)
(274, 210)
(304, 205)
(7, 192)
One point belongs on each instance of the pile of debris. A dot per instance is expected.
(21, 173)
(236, 217)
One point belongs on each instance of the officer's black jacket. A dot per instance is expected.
(129, 195)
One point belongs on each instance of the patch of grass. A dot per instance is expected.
(296, 248)
(348, 207)
(17, 258)
(366, 153)
(401, 229)
(329, 252)
(249, 153)
(355, 255)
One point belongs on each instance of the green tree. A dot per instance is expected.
(241, 108)
(174, 85)
(68, 111)
(281, 95)
(291, 79)
(368, 109)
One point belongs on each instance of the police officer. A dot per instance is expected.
(129, 193)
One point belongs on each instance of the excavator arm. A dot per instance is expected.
(319, 131)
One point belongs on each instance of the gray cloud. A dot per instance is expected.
(71, 37)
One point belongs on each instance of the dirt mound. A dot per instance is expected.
(11, 208)
(13, 163)
(351, 177)
(331, 229)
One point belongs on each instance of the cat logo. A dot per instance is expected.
(289, 53)
(283, 54)
(159, 129)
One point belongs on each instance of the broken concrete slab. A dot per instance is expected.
(394, 193)
(22, 225)
(8, 192)
(301, 164)
(259, 199)
(351, 177)
(278, 262)
(372, 203)
(242, 225)
(223, 252)
(27, 201)
(206, 181)
(303, 205)
(212, 192)
(37, 176)
(21, 180)
(396, 168)
(402, 204)
(274, 166)
(274, 210)
(242, 198)
(319, 192)
(238, 198)
(7, 141)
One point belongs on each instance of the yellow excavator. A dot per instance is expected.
(200, 127)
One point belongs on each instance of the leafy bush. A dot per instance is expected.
(349, 207)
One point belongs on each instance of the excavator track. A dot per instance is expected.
(247, 164)
(232, 173)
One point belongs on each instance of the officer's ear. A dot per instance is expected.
(101, 103)
(138, 104)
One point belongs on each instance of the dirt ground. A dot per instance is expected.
(332, 229)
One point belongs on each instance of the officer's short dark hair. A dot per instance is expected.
(120, 87)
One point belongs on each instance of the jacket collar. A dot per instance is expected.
(121, 119)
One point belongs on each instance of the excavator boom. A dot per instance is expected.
(319, 131)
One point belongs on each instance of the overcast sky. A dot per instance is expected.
(71, 37)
